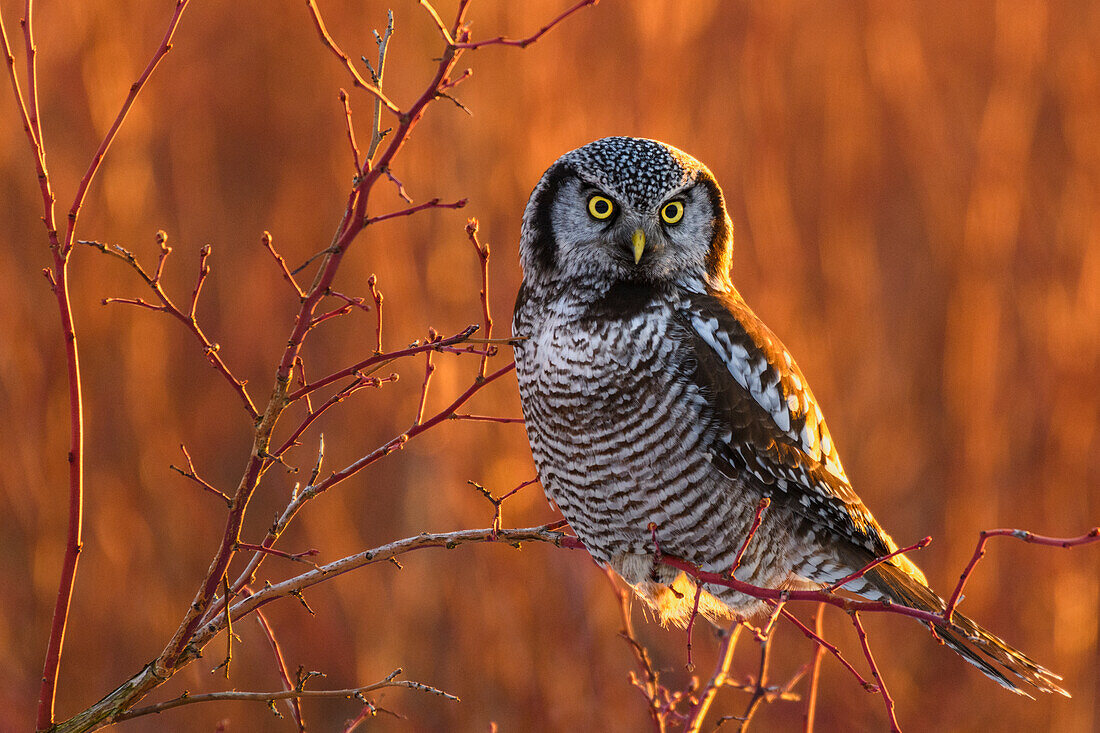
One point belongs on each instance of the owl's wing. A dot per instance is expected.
(770, 425)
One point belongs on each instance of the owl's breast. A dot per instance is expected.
(616, 423)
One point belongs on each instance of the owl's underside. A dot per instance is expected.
(624, 434)
(655, 398)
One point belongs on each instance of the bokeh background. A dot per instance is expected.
(915, 189)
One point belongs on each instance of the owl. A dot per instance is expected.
(661, 410)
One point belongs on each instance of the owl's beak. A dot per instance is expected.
(638, 240)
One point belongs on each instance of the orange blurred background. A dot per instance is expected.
(915, 189)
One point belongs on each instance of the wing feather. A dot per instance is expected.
(770, 426)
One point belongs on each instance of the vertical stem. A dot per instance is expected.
(815, 672)
(73, 544)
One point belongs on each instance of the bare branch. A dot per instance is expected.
(433, 204)
(372, 282)
(280, 664)
(486, 418)
(210, 349)
(269, 245)
(717, 680)
(1092, 535)
(815, 672)
(878, 561)
(377, 74)
(482, 251)
(135, 89)
(357, 79)
(889, 701)
(380, 359)
(191, 474)
(269, 697)
(351, 131)
(761, 506)
(525, 42)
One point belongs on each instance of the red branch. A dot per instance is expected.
(525, 42)
(337, 398)
(351, 132)
(889, 701)
(979, 552)
(209, 348)
(760, 507)
(293, 703)
(815, 672)
(486, 418)
(433, 204)
(774, 594)
(379, 359)
(135, 89)
(372, 283)
(878, 561)
(357, 78)
(60, 250)
(269, 245)
(483, 257)
(815, 636)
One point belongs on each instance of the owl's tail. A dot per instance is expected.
(996, 659)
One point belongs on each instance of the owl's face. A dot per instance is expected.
(630, 209)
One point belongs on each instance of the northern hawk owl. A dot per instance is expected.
(661, 410)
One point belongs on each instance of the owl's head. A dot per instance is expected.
(624, 208)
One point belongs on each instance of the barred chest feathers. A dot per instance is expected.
(604, 393)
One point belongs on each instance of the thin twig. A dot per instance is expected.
(815, 672)
(296, 557)
(878, 561)
(650, 685)
(889, 701)
(486, 418)
(351, 131)
(376, 294)
(357, 79)
(525, 42)
(763, 504)
(716, 681)
(165, 250)
(293, 703)
(482, 251)
(354, 302)
(438, 22)
(429, 369)
(210, 349)
(228, 630)
(204, 272)
(191, 474)
(268, 697)
(378, 359)
(760, 689)
(819, 640)
(979, 552)
(433, 204)
(377, 74)
(269, 245)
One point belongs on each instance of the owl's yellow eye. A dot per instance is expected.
(600, 207)
(672, 212)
